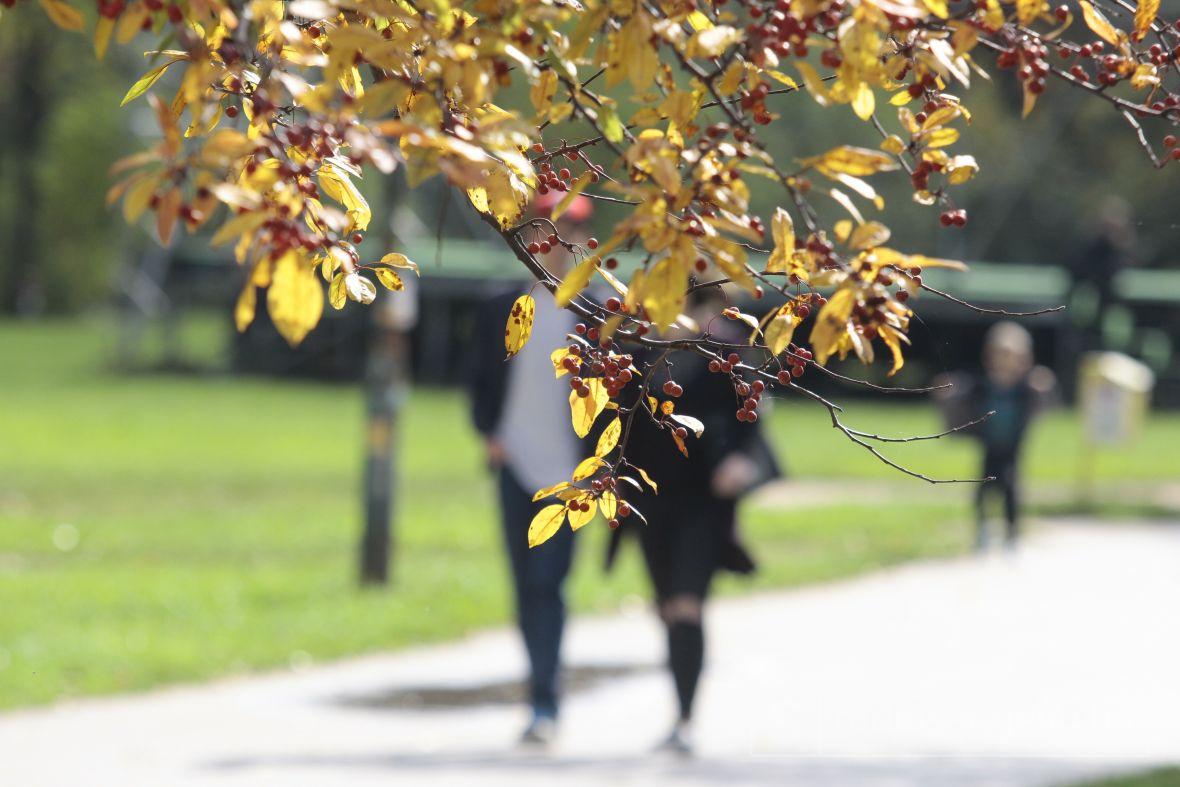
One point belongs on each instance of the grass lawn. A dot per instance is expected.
(158, 528)
(1162, 777)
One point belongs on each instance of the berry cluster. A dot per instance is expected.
(561, 179)
(1030, 56)
(782, 28)
(592, 357)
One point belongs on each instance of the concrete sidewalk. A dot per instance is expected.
(1041, 668)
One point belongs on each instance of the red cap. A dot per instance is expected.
(581, 209)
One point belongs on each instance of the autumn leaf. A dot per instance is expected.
(1097, 22)
(852, 160)
(575, 281)
(664, 291)
(609, 438)
(830, 323)
(546, 523)
(587, 467)
(574, 190)
(551, 490)
(1027, 11)
(337, 295)
(145, 82)
(294, 299)
(541, 93)
(647, 478)
(245, 307)
(520, 324)
(780, 330)
(782, 230)
(63, 14)
(584, 513)
(893, 339)
(692, 424)
(1145, 15)
(395, 260)
(585, 409)
(389, 279)
(608, 504)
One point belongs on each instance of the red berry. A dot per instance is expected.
(231, 112)
(534, 247)
(1170, 141)
(613, 524)
(611, 263)
(784, 377)
(175, 15)
(734, 359)
(613, 304)
(592, 243)
(681, 432)
(357, 237)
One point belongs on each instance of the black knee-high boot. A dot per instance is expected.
(686, 655)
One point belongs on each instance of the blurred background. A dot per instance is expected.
(179, 502)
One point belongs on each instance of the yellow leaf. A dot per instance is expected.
(664, 291)
(543, 90)
(63, 14)
(138, 197)
(581, 516)
(780, 330)
(647, 478)
(1027, 11)
(551, 490)
(830, 323)
(556, 357)
(782, 230)
(337, 185)
(520, 324)
(712, 41)
(575, 281)
(1145, 15)
(863, 101)
(893, 339)
(609, 438)
(608, 504)
(940, 137)
(574, 190)
(547, 522)
(239, 225)
(245, 307)
(852, 161)
(294, 299)
(131, 22)
(869, 235)
(144, 83)
(395, 260)
(1097, 22)
(587, 467)
(585, 409)
(102, 35)
(1030, 100)
(167, 212)
(812, 80)
(337, 294)
(389, 279)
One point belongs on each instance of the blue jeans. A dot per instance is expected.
(538, 575)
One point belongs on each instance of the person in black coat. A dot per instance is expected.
(691, 523)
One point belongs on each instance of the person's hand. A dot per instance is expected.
(493, 452)
(733, 475)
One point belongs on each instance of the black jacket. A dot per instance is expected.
(487, 370)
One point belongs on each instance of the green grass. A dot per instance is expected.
(216, 520)
(1161, 777)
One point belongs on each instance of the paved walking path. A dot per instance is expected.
(1039, 668)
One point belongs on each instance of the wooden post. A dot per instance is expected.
(384, 386)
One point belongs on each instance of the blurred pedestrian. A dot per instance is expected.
(520, 410)
(691, 527)
(1093, 291)
(1013, 390)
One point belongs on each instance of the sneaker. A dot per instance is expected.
(679, 742)
(540, 733)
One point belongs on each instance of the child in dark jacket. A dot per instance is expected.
(1013, 390)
